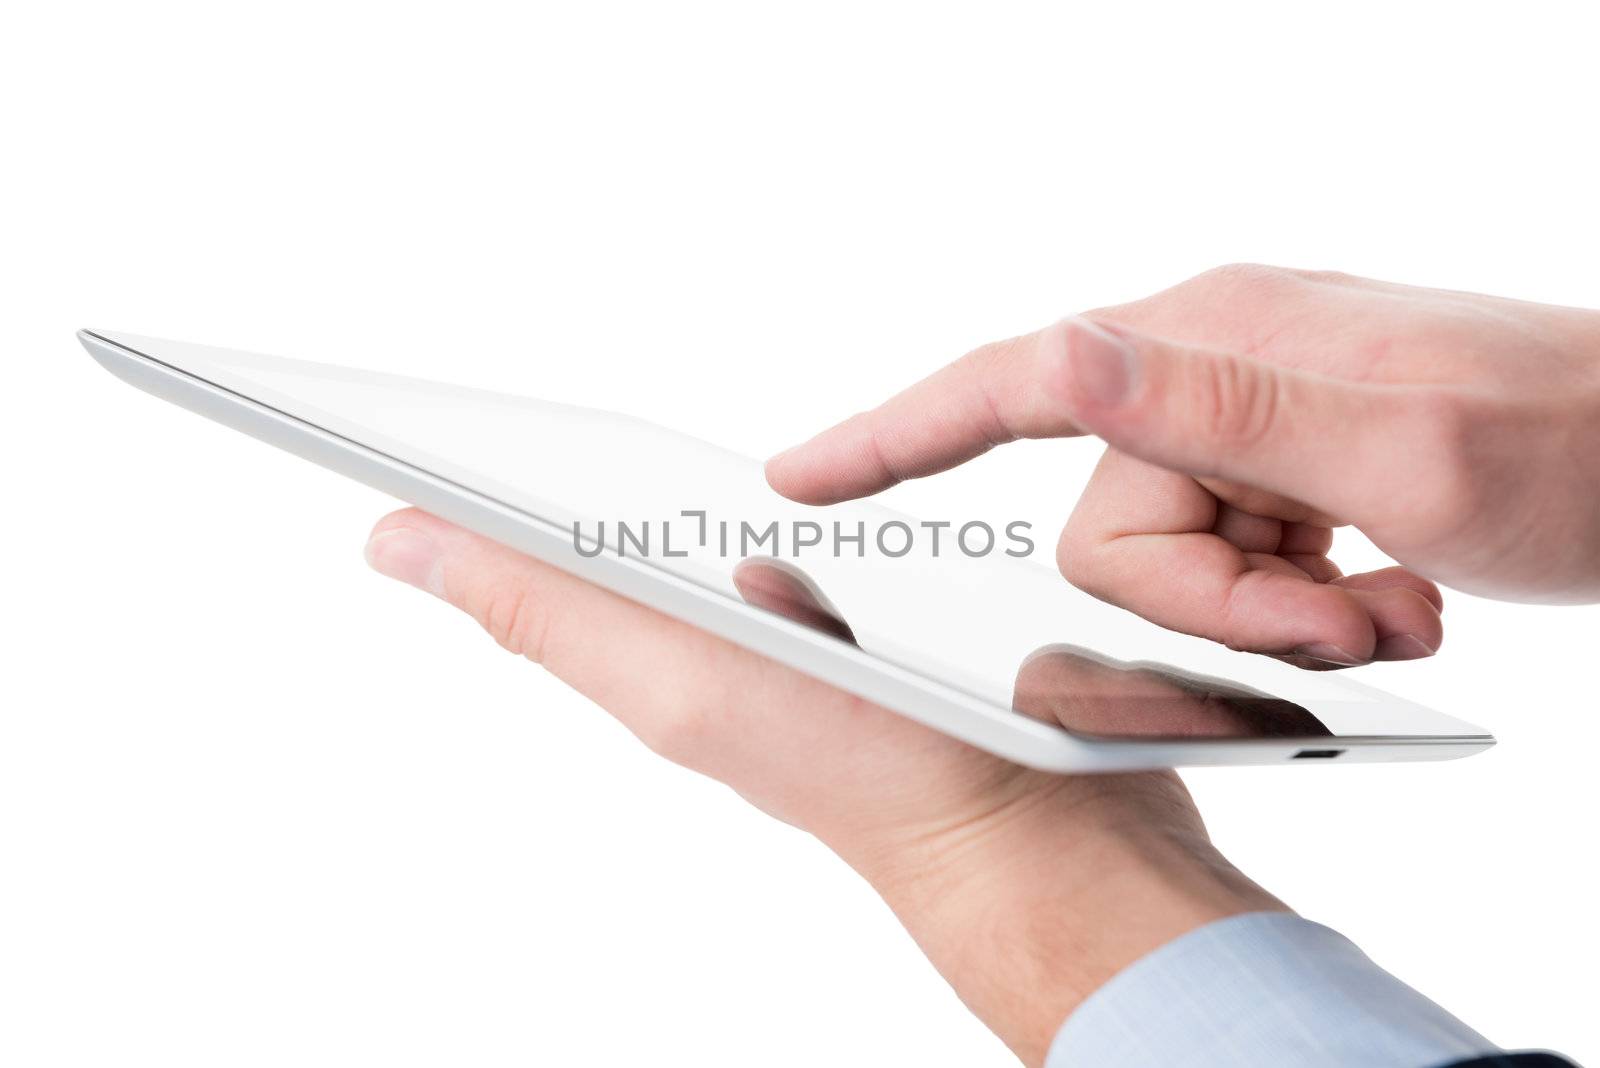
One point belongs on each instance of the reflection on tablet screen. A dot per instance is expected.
(966, 604)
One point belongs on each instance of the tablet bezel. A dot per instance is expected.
(999, 730)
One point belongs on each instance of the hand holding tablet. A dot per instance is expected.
(940, 622)
(781, 673)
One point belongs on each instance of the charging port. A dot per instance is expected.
(1317, 754)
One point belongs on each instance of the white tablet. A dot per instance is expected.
(956, 626)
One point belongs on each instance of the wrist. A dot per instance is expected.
(1030, 908)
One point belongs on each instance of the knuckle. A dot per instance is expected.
(1070, 553)
(1236, 402)
(517, 621)
(986, 358)
(1076, 560)
(981, 372)
(1216, 296)
(679, 727)
(1236, 614)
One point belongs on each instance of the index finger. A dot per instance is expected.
(993, 395)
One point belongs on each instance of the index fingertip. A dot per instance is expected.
(792, 474)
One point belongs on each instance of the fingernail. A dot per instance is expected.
(408, 555)
(1327, 652)
(1402, 647)
(1103, 364)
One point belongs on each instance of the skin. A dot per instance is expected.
(1248, 412)
(1251, 410)
(1006, 877)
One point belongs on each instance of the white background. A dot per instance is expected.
(259, 806)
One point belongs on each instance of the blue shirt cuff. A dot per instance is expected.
(1266, 988)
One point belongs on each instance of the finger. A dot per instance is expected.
(1256, 501)
(1315, 567)
(1406, 624)
(1390, 577)
(991, 396)
(1247, 532)
(1305, 538)
(670, 683)
(1142, 538)
(1306, 547)
(1298, 544)
(1334, 444)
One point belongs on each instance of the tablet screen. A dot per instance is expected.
(978, 607)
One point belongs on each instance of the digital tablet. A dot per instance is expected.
(956, 625)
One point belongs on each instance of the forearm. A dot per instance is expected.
(1030, 910)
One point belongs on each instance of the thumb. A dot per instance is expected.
(1327, 442)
